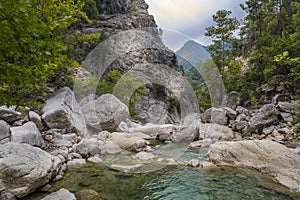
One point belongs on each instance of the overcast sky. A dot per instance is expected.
(189, 17)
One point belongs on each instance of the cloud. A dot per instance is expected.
(190, 17)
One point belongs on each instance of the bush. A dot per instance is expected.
(90, 9)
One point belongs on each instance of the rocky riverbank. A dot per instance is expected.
(38, 146)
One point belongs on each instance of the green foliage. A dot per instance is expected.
(33, 46)
(271, 38)
(297, 115)
(225, 49)
(127, 84)
(90, 8)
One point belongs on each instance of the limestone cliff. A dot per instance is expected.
(116, 16)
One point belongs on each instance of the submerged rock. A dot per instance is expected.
(266, 156)
(25, 168)
(61, 194)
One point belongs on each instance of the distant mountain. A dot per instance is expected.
(192, 54)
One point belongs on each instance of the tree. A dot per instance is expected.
(224, 49)
(32, 45)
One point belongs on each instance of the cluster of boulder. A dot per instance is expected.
(271, 121)
(36, 147)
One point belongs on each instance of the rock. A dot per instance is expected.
(215, 132)
(230, 113)
(286, 107)
(87, 99)
(95, 159)
(218, 116)
(103, 135)
(7, 196)
(268, 130)
(144, 156)
(266, 156)
(127, 168)
(4, 132)
(87, 194)
(28, 133)
(287, 117)
(75, 155)
(206, 165)
(140, 135)
(9, 114)
(285, 131)
(110, 148)
(88, 146)
(35, 118)
(215, 115)
(241, 117)
(242, 110)
(105, 113)
(239, 125)
(232, 99)
(63, 112)
(26, 168)
(194, 163)
(185, 134)
(127, 143)
(76, 161)
(191, 119)
(206, 116)
(264, 117)
(61, 194)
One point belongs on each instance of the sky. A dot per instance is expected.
(187, 19)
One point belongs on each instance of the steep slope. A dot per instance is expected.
(194, 52)
(119, 16)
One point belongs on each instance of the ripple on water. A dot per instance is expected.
(170, 182)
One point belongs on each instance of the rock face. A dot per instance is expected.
(25, 168)
(266, 156)
(105, 113)
(117, 16)
(4, 132)
(63, 112)
(62, 194)
(28, 133)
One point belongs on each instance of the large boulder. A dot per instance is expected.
(25, 168)
(264, 117)
(215, 115)
(9, 114)
(266, 156)
(63, 112)
(28, 133)
(215, 132)
(127, 142)
(185, 134)
(88, 146)
(4, 132)
(105, 113)
(286, 107)
(61, 194)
